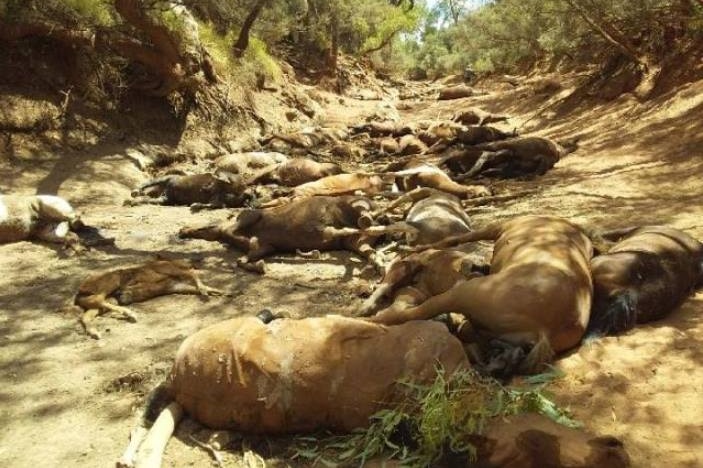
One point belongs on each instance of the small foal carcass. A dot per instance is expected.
(648, 273)
(527, 156)
(311, 223)
(538, 292)
(290, 376)
(413, 279)
(127, 285)
(207, 190)
(45, 217)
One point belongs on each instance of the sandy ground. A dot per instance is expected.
(70, 401)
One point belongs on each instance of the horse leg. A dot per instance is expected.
(54, 232)
(256, 251)
(415, 195)
(487, 158)
(100, 302)
(87, 319)
(361, 245)
(162, 200)
(446, 302)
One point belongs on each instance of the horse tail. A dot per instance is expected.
(152, 183)
(541, 354)
(166, 413)
(620, 315)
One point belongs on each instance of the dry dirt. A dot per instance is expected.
(63, 403)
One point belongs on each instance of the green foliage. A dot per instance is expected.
(218, 45)
(256, 59)
(258, 55)
(378, 22)
(97, 12)
(86, 12)
(433, 419)
(506, 35)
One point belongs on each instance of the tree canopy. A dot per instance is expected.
(163, 47)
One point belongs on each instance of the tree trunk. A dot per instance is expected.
(454, 12)
(608, 32)
(175, 59)
(387, 40)
(650, 70)
(16, 31)
(334, 47)
(243, 40)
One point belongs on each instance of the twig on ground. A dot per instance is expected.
(496, 198)
(209, 449)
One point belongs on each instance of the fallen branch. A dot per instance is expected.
(497, 198)
(209, 449)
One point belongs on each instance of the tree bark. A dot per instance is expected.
(647, 65)
(16, 31)
(243, 40)
(454, 11)
(609, 33)
(334, 46)
(387, 40)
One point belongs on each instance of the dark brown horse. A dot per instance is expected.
(647, 273)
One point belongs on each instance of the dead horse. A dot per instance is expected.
(289, 375)
(538, 293)
(256, 375)
(647, 273)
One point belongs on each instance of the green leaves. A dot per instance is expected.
(432, 419)
(504, 35)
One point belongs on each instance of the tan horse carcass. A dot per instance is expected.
(289, 375)
(538, 292)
